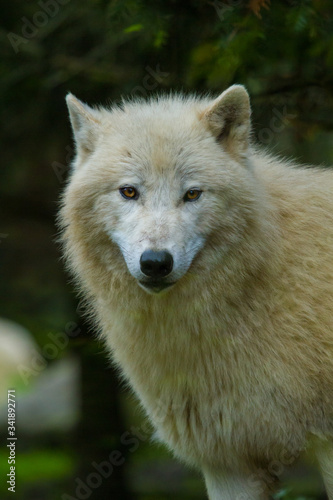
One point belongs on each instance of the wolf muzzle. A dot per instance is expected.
(156, 265)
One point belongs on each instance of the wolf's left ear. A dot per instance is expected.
(228, 118)
(85, 124)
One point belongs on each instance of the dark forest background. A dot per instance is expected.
(74, 418)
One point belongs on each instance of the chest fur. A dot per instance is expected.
(212, 395)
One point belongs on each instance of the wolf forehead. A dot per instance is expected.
(163, 129)
(163, 133)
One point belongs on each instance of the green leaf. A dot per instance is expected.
(133, 28)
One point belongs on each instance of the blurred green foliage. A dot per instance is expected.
(101, 50)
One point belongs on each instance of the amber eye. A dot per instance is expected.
(129, 192)
(192, 195)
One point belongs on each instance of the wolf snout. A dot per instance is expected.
(156, 264)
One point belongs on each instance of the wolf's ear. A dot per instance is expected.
(85, 124)
(228, 118)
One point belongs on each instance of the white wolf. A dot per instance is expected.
(209, 266)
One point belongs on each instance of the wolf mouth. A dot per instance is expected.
(155, 286)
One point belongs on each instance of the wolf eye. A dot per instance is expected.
(129, 192)
(192, 194)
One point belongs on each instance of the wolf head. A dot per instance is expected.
(154, 182)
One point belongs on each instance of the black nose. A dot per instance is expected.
(156, 264)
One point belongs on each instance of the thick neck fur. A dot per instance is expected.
(240, 328)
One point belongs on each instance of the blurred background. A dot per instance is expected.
(80, 434)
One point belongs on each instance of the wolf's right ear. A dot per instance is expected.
(228, 118)
(85, 124)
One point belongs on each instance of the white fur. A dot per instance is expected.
(234, 363)
(324, 451)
